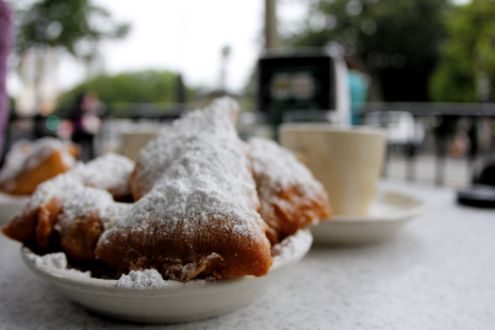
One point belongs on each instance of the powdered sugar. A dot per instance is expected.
(56, 262)
(281, 168)
(193, 171)
(108, 172)
(142, 279)
(82, 201)
(81, 191)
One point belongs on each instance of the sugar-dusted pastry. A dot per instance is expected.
(70, 211)
(197, 213)
(29, 164)
(205, 204)
(290, 196)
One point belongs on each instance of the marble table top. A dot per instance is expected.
(436, 273)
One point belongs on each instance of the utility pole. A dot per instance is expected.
(225, 53)
(271, 33)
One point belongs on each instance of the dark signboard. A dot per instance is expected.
(295, 83)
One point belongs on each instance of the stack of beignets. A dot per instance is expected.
(29, 164)
(70, 212)
(196, 213)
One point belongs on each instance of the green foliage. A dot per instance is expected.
(397, 40)
(157, 87)
(56, 27)
(64, 24)
(468, 55)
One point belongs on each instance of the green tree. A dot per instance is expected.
(61, 26)
(64, 24)
(466, 70)
(120, 90)
(397, 40)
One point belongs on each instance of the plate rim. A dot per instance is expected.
(110, 288)
(406, 214)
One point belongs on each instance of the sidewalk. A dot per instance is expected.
(457, 171)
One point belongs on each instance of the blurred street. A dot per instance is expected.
(457, 171)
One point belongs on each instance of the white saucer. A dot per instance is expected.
(389, 212)
(10, 206)
(173, 301)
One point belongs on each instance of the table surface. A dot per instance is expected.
(437, 273)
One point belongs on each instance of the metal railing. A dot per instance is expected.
(443, 123)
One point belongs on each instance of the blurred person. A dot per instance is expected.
(39, 127)
(5, 43)
(86, 123)
(358, 81)
(472, 134)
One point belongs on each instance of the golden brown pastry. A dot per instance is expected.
(71, 211)
(290, 196)
(197, 211)
(29, 164)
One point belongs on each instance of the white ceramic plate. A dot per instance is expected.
(10, 206)
(174, 301)
(390, 211)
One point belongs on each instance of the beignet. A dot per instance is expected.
(290, 196)
(29, 164)
(197, 213)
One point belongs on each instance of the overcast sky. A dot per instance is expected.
(185, 36)
(188, 36)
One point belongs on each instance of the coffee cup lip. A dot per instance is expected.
(326, 127)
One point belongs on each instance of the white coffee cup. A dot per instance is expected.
(132, 142)
(347, 161)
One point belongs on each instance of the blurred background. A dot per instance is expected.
(93, 71)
